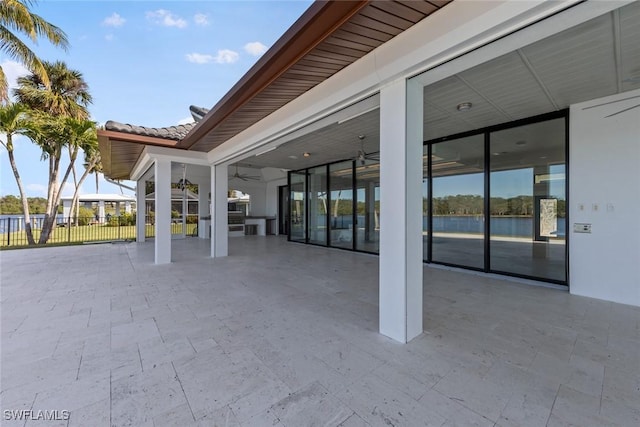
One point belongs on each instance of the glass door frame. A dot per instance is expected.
(562, 114)
(354, 189)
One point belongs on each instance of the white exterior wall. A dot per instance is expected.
(604, 191)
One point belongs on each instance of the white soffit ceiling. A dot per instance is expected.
(598, 58)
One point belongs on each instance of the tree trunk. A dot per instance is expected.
(52, 197)
(75, 191)
(23, 197)
(55, 192)
(85, 174)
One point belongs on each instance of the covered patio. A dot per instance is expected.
(265, 337)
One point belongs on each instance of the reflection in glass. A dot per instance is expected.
(528, 200)
(318, 205)
(368, 203)
(341, 214)
(297, 206)
(458, 201)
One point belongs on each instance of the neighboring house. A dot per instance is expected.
(499, 136)
(121, 203)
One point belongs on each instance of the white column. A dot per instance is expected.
(117, 208)
(140, 210)
(401, 211)
(204, 188)
(162, 172)
(127, 206)
(219, 214)
(66, 209)
(101, 211)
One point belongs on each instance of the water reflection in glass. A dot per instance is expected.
(528, 200)
(458, 201)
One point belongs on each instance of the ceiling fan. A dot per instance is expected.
(244, 177)
(362, 155)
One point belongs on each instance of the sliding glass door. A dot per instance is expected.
(368, 205)
(341, 196)
(317, 205)
(457, 171)
(528, 200)
(496, 200)
(297, 207)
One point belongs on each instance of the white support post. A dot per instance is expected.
(141, 205)
(127, 207)
(66, 209)
(101, 218)
(204, 188)
(219, 214)
(162, 172)
(401, 211)
(117, 208)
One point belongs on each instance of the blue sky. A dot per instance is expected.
(147, 61)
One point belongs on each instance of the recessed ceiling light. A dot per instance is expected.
(293, 157)
(307, 154)
(464, 106)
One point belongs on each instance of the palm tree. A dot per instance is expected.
(15, 16)
(83, 136)
(67, 95)
(13, 122)
(57, 105)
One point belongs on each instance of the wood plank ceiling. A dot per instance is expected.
(368, 25)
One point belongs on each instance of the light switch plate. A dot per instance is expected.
(580, 227)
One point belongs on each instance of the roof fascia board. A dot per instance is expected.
(150, 154)
(318, 22)
(451, 33)
(137, 139)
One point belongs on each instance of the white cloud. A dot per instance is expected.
(255, 48)
(186, 120)
(166, 18)
(108, 37)
(13, 70)
(114, 20)
(224, 56)
(201, 19)
(199, 58)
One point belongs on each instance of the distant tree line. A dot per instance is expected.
(465, 204)
(12, 205)
(461, 204)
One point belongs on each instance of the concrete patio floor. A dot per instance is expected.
(283, 334)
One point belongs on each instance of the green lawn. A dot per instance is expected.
(86, 233)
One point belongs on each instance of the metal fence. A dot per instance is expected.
(88, 229)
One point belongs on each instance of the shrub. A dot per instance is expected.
(85, 215)
(122, 220)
